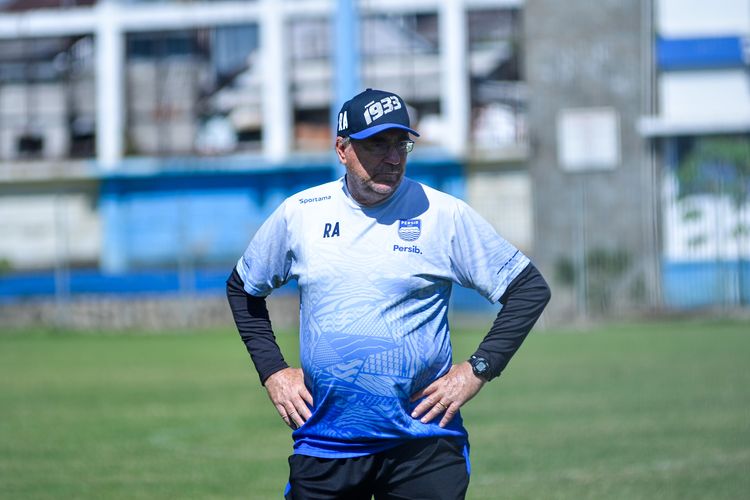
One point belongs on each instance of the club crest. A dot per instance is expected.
(410, 229)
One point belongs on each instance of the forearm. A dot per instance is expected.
(254, 325)
(523, 303)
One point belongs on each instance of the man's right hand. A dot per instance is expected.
(290, 396)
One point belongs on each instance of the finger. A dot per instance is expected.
(424, 392)
(450, 412)
(295, 418)
(427, 404)
(436, 410)
(283, 414)
(300, 413)
(304, 411)
(288, 416)
(305, 394)
(301, 403)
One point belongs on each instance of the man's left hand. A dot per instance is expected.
(447, 394)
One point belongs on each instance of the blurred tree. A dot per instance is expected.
(720, 165)
(717, 165)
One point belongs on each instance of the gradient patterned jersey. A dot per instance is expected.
(374, 288)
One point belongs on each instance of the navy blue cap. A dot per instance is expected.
(371, 112)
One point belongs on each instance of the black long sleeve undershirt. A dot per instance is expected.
(253, 323)
(523, 303)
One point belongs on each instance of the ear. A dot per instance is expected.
(341, 150)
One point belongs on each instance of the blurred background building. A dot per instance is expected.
(143, 142)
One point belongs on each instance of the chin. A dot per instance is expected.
(384, 188)
(389, 183)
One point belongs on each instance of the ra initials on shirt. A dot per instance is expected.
(331, 230)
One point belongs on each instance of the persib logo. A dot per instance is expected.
(410, 229)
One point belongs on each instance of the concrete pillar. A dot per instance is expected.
(277, 110)
(110, 63)
(454, 98)
(345, 52)
(583, 55)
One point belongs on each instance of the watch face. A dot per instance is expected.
(480, 365)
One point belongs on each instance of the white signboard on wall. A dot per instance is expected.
(588, 139)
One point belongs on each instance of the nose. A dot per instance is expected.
(393, 156)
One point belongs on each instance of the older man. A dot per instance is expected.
(375, 405)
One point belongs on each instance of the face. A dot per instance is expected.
(374, 166)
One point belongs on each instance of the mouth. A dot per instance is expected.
(387, 178)
(389, 173)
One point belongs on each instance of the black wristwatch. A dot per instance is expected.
(481, 367)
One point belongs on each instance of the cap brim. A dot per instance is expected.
(369, 132)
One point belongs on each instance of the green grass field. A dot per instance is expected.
(658, 410)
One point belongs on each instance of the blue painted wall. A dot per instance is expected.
(207, 218)
(690, 285)
(699, 53)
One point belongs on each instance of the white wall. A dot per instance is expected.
(695, 18)
(39, 229)
(713, 96)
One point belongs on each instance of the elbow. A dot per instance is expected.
(542, 291)
(547, 294)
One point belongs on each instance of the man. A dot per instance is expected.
(375, 406)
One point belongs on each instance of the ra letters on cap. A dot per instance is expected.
(343, 121)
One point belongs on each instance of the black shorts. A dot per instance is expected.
(431, 469)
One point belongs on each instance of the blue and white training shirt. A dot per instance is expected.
(374, 288)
